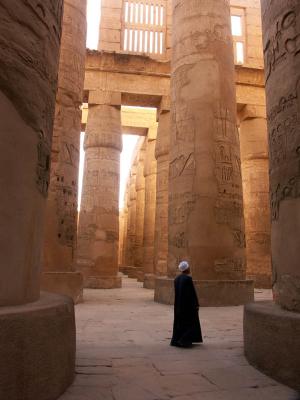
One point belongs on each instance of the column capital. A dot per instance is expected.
(104, 97)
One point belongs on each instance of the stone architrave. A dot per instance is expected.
(255, 172)
(162, 193)
(37, 332)
(140, 214)
(59, 273)
(273, 328)
(98, 232)
(206, 224)
(150, 171)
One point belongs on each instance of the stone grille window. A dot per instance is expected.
(144, 26)
(238, 29)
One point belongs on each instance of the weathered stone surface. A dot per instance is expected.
(61, 211)
(162, 193)
(255, 172)
(140, 214)
(281, 27)
(37, 355)
(271, 337)
(29, 52)
(98, 234)
(150, 171)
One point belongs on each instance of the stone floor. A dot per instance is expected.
(124, 353)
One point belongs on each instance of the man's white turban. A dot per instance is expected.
(183, 266)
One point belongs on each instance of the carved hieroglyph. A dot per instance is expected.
(30, 34)
(162, 193)
(206, 224)
(281, 28)
(255, 172)
(149, 218)
(61, 214)
(140, 213)
(98, 232)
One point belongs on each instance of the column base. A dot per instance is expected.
(210, 293)
(272, 341)
(149, 281)
(37, 355)
(140, 276)
(130, 272)
(261, 281)
(103, 282)
(65, 283)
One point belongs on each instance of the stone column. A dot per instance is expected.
(32, 327)
(140, 214)
(206, 224)
(61, 213)
(121, 237)
(99, 217)
(126, 215)
(273, 328)
(255, 172)
(131, 229)
(162, 193)
(150, 171)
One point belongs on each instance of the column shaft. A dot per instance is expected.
(99, 217)
(61, 211)
(206, 224)
(283, 106)
(131, 228)
(37, 332)
(162, 193)
(271, 330)
(150, 171)
(255, 172)
(140, 214)
(28, 80)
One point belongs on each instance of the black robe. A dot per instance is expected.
(186, 329)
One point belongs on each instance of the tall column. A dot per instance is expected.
(162, 192)
(206, 224)
(125, 232)
(121, 236)
(140, 214)
(273, 328)
(32, 327)
(131, 228)
(61, 213)
(98, 235)
(150, 171)
(255, 172)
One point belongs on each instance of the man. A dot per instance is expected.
(186, 329)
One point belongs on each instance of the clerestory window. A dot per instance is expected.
(238, 29)
(144, 26)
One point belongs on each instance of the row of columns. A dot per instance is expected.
(203, 172)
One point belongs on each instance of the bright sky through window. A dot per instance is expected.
(236, 25)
